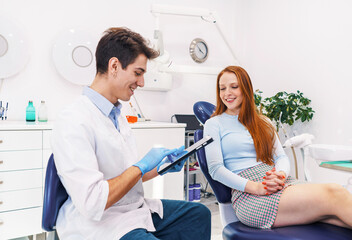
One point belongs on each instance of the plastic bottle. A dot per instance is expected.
(43, 112)
(30, 112)
(190, 192)
(197, 190)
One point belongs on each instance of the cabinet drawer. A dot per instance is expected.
(20, 140)
(19, 180)
(20, 223)
(16, 200)
(47, 139)
(19, 160)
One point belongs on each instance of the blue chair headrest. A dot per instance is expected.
(203, 111)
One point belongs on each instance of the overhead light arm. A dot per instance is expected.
(205, 14)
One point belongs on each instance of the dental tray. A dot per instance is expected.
(325, 152)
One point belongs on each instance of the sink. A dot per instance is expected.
(325, 152)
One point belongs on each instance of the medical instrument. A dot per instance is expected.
(7, 107)
(134, 111)
(139, 112)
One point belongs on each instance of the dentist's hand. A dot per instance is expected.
(153, 158)
(171, 158)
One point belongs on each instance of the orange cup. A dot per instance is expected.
(131, 119)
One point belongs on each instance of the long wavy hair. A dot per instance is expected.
(260, 128)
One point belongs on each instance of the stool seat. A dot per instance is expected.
(321, 231)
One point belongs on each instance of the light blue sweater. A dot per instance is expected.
(233, 151)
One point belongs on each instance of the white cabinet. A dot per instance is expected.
(24, 153)
(21, 178)
(169, 135)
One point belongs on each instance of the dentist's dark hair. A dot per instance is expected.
(259, 126)
(123, 44)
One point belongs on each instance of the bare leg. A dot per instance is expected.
(335, 221)
(307, 203)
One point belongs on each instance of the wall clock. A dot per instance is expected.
(199, 50)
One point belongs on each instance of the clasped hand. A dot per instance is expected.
(273, 181)
(154, 157)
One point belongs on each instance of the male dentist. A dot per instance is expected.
(96, 158)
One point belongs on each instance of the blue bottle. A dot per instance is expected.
(30, 112)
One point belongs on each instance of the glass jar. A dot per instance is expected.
(43, 112)
(30, 112)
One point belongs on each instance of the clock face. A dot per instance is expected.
(198, 50)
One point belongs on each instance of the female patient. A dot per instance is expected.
(247, 156)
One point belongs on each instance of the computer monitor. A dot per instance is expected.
(191, 121)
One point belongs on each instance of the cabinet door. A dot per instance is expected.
(20, 223)
(170, 185)
(20, 160)
(15, 200)
(19, 180)
(20, 140)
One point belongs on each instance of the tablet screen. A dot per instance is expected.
(187, 152)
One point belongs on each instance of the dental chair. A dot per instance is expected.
(233, 229)
(54, 196)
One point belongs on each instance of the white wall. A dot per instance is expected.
(302, 45)
(284, 45)
(43, 21)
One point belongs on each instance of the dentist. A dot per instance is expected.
(96, 158)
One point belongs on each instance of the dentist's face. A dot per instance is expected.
(230, 93)
(127, 80)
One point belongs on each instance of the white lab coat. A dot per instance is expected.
(88, 150)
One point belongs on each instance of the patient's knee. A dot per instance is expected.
(336, 191)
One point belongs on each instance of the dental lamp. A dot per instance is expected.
(159, 77)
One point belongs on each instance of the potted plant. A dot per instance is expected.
(285, 108)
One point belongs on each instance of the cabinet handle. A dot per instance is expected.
(1, 182)
(0, 141)
(1, 222)
(1, 202)
(1, 161)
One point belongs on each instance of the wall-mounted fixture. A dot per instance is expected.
(73, 56)
(159, 77)
(14, 53)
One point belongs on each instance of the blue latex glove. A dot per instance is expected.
(171, 158)
(153, 158)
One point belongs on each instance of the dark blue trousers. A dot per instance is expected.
(182, 221)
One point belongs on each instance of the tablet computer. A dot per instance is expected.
(187, 152)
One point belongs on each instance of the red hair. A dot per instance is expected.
(260, 128)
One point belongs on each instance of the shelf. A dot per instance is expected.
(194, 171)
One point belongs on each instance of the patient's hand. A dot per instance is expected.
(274, 181)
